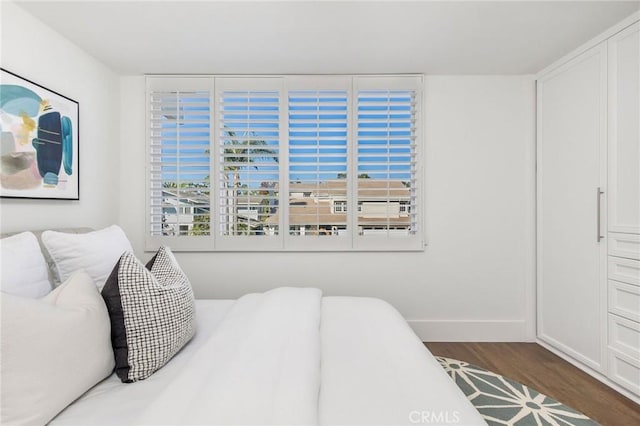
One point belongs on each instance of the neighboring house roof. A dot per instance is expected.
(187, 196)
(367, 188)
(317, 207)
(306, 211)
(253, 199)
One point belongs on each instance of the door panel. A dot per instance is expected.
(624, 131)
(571, 140)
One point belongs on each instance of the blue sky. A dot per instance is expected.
(317, 137)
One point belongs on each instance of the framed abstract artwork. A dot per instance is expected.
(39, 141)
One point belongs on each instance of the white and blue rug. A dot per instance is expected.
(502, 401)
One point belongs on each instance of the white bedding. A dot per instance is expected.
(261, 366)
(375, 370)
(301, 359)
(112, 402)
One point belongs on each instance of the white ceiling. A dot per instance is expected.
(238, 37)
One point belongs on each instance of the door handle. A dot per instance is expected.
(598, 213)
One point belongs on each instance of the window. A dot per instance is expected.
(249, 167)
(317, 125)
(339, 207)
(287, 157)
(179, 136)
(386, 160)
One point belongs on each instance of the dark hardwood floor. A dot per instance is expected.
(536, 367)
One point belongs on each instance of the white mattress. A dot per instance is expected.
(374, 370)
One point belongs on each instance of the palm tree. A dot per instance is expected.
(236, 154)
(360, 176)
(240, 154)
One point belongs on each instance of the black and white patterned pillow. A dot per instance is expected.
(152, 311)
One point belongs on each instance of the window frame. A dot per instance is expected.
(283, 241)
(170, 83)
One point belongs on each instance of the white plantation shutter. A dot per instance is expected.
(387, 188)
(285, 163)
(248, 143)
(317, 121)
(179, 181)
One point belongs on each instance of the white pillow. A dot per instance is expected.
(96, 252)
(24, 270)
(53, 350)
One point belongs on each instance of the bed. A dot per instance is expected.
(286, 356)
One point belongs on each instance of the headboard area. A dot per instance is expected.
(38, 234)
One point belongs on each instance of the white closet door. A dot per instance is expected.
(571, 258)
(624, 131)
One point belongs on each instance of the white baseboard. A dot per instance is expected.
(472, 331)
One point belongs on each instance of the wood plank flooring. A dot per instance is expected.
(536, 367)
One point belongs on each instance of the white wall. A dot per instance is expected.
(475, 281)
(32, 50)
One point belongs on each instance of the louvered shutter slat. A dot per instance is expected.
(350, 147)
(317, 159)
(179, 163)
(387, 162)
(249, 138)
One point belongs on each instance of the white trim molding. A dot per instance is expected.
(472, 330)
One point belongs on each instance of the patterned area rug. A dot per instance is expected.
(502, 401)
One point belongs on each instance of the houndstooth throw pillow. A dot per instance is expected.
(152, 313)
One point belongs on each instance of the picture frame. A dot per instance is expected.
(39, 141)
